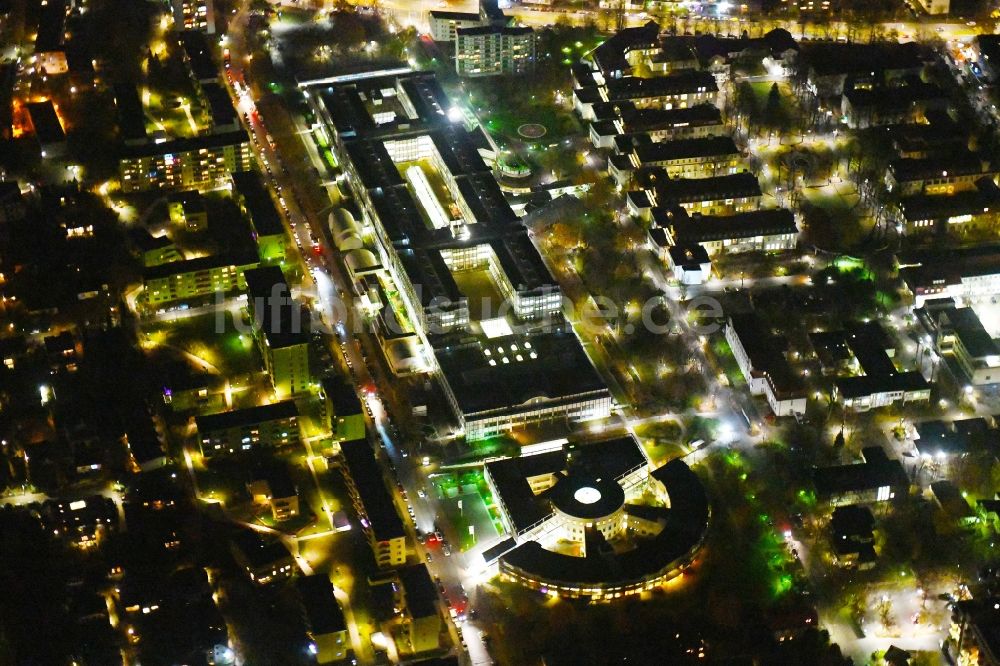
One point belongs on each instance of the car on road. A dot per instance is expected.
(429, 558)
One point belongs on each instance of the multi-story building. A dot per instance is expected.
(421, 608)
(194, 15)
(243, 430)
(976, 209)
(280, 329)
(256, 203)
(187, 209)
(373, 504)
(958, 172)
(325, 622)
(761, 357)
(958, 333)
(264, 561)
(719, 195)
(875, 479)
(342, 408)
(973, 637)
(457, 272)
(196, 278)
(770, 230)
(684, 158)
(679, 90)
(445, 24)
(969, 275)
(879, 383)
(201, 162)
(488, 50)
(615, 119)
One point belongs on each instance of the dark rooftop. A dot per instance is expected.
(552, 366)
(323, 613)
(248, 416)
(359, 459)
(418, 587)
(263, 213)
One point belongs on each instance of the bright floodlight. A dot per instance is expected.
(455, 114)
(587, 495)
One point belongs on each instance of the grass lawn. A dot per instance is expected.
(223, 347)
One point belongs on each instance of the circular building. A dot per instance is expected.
(581, 502)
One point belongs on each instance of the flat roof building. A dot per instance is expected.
(876, 479)
(243, 430)
(196, 278)
(373, 503)
(257, 204)
(761, 357)
(190, 163)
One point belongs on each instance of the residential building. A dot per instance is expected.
(489, 50)
(342, 408)
(194, 15)
(187, 209)
(220, 108)
(274, 487)
(973, 636)
(201, 162)
(614, 119)
(678, 90)
(373, 503)
(324, 619)
(50, 40)
(154, 250)
(131, 114)
(196, 278)
(198, 56)
(421, 608)
(263, 560)
(852, 536)
(280, 329)
(47, 127)
(761, 358)
(690, 264)
(889, 105)
(256, 203)
(243, 430)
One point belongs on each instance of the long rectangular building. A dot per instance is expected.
(967, 275)
(195, 278)
(688, 158)
(769, 230)
(243, 430)
(373, 503)
(761, 357)
(201, 162)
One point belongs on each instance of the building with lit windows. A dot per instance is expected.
(761, 357)
(445, 24)
(968, 210)
(970, 276)
(680, 90)
(194, 15)
(958, 172)
(280, 329)
(876, 479)
(489, 50)
(325, 622)
(373, 503)
(719, 195)
(257, 204)
(263, 560)
(243, 430)
(202, 162)
(973, 638)
(581, 525)
(342, 408)
(615, 119)
(454, 269)
(958, 334)
(683, 158)
(196, 278)
(769, 230)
